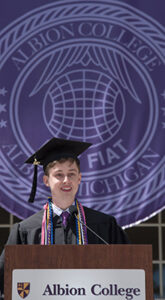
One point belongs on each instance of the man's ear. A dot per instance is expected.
(80, 177)
(45, 180)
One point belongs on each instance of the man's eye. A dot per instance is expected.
(71, 174)
(59, 175)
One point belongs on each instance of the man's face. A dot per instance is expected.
(63, 180)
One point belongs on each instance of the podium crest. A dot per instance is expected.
(23, 289)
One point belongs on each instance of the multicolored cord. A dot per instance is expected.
(47, 235)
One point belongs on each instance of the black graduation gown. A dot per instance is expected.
(28, 231)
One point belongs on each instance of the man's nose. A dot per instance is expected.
(66, 178)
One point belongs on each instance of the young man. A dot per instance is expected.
(63, 220)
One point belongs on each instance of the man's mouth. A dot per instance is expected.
(66, 189)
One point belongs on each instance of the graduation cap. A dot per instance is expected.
(54, 149)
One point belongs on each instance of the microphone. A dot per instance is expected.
(73, 212)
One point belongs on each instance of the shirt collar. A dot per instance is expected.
(57, 210)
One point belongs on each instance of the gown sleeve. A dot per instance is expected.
(118, 235)
(13, 239)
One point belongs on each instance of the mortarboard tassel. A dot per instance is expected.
(34, 184)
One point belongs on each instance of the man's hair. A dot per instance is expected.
(62, 160)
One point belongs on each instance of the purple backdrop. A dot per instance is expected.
(91, 71)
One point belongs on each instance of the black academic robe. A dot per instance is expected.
(28, 231)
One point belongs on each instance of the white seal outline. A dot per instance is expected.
(63, 21)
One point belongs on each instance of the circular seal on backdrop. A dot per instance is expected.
(91, 72)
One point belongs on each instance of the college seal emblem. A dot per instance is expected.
(86, 71)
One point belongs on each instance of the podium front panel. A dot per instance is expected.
(78, 257)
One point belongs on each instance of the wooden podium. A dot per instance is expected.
(78, 257)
